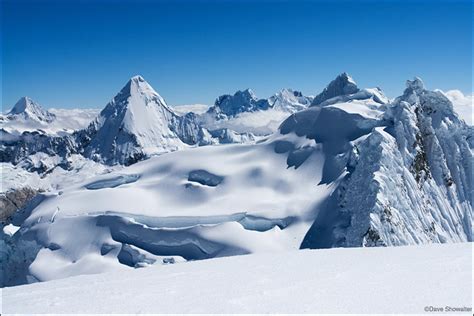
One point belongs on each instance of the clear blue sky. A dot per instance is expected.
(80, 53)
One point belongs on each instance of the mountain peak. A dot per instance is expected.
(137, 78)
(22, 105)
(343, 84)
(26, 108)
(138, 83)
(242, 101)
(138, 87)
(416, 84)
(136, 123)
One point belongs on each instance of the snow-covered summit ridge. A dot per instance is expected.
(289, 100)
(342, 85)
(242, 101)
(27, 109)
(407, 172)
(138, 86)
(343, 89)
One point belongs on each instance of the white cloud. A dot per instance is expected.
(463, 104)
(196, 108)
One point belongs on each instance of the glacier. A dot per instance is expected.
(347, 168)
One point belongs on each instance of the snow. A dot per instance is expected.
(136, 123)
(27, 109)
(253, 209)
(350, 171)
(80, 169)
(10, 229)
(186, 108)
(243, 112)
(258, 122)
(57, 121)
(463, 104)
(366, 109)
(358, 280)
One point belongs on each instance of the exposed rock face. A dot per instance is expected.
(14, 200)
(342, 85)
(242, 101)
(15, 148)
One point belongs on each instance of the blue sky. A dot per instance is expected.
(80, 53)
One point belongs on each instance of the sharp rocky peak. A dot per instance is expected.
(342, 85)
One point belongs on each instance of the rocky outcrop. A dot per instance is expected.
(13, 200)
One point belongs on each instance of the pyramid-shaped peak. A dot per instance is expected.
(139, 87)
(137, 78)
(140, 83)
(342, 85)
(26, 108)
(22, 105)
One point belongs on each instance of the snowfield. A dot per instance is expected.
(352, 169)
(65, 121)
(350, 280)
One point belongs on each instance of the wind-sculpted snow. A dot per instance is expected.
(205, 178)
(409, 183)
(253, 209)
(250, 222)
(351, 171)
(112, 182)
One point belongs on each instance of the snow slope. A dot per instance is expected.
(358, 280)
(32, 117)
(181, 204)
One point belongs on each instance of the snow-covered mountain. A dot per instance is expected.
(342, 85)
(242, 101)
(289, 100)
(243, 112)
(343, 88)
(349, 171)
(136, 123)
(29, 116)
(352, 170)
(27, 109)
(229, 106)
